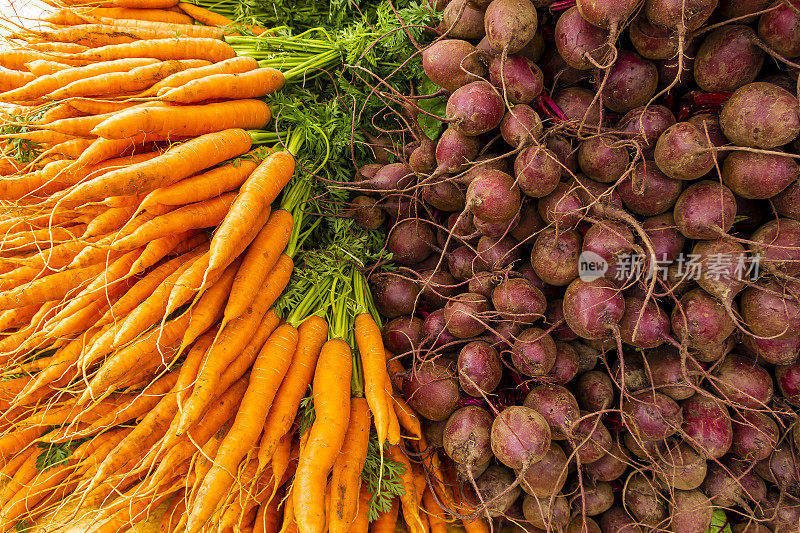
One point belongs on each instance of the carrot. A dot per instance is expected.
(113, 83)
(313, 333)
(137, 510)
(24, 474)
(230, 342)
(393, 433)
(209, 18)
(52, 287)
(92, 106)
(43, 67)
(280, 461)
(91, 35)
(361, 522)
(112, 219)
(268, 371)
(253, 84)
(259, 260)
(77, 126)
(46, 84)
(208, 308)
(169, 29)
(138, 4)
(261, 188)
(71, 17)
(229, 66)
(159, 248)
(346, 476)
(174, 513)
(154, 347)
(268, 518)
(188, 120)
(332, 406)
(409, 499)
(373, 362)
(13, 318)
(13, 464)
(474, 525)
(175, 164)
(72, 148)
(193, 216)
(436, 516)
(213, 50)
(387, 522)
(13, 79)
(202, 186)
(42, 136)
(63, 48)
(104, 149)
(16, 59)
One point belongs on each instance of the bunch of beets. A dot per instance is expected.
(597, 300)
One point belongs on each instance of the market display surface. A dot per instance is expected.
(426, 265)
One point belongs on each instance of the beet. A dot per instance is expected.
(498, 254)
(629, 372)
(593, 498)
(682, 152)
(366, 213)
(467, 436)
(547, 475)
(554, 318)
(723, 264)
(611, 466)
(496, 229)
(589, 439)
(647, 450)
(761, 115)
(403, 334)
(465, 315)
(771, 309)
(781, 468)
(518, 79)
(642, 499)
(493, 196)
(550, 513)
(566, 365)
(538, 171)
(394, 294)
(492, 486)
(534, 352)
(606, 13)
(650, 324)
(451, 63)
(774, 351)
(434, 433)
(519, 300)
(593, 308)
(475, 108)
(483, 163)
(612, 242)
(423, 159)
(681, 467)
(510, 24)
(595, 196)
(558, 407)
(631, 82)
(783, 512)
(436, 287)
(709, 127)
(434, 331)
(563, 206)
(689, 14)
(443, 194)
(482, 283)
(462, 263)
(410, 241)
(504, 335)
(645, 124)
(567, 156)
(728, 59)
(520, 436)
(455, 151)
(479, 368)
(521, 126)
(594, 391)
(576, 38)
(780, 30)
(691, 512)
(707, 426)
(469, 25)
(555, 254)
(705, 210)
(603, 159)
(758, 176)
(651, 415)
(579, 105)
(651, 41)
(617, 520)
(788, 378)
(787, 202)
(755, 435)
(737, 8)
(432, 389)
(734, 486)
(776, 244)
(391, 177)
(667, 241)
(666, 374)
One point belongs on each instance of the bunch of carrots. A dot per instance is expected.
(150, 363)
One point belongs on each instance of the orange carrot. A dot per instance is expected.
(202, 186)
(24, 474)
(90, 106)
(175, 164)
(346, 476)
(65, 48)
(174, 513)
(436, 516)
(361, 522)
(79, 126)
(113, 83)
(159, 248)
(43, 67)
(16, 59)
(213, 50)
(268, 371)
(229, 66)
(259, 260)
(313, 333)
(409, 499)
(373, 361)
(13, 79)
(74, 16)
(393, 430)
(210, 18)
(268, 518)
(46, 84)
(143, 28)
(332, 407)
(387, 522)
(52, 287)
(191, 120)
(253, 84)
(280, 461)
(261, 188)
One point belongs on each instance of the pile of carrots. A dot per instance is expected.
(149, 364)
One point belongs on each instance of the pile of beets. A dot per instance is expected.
(597, 299)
